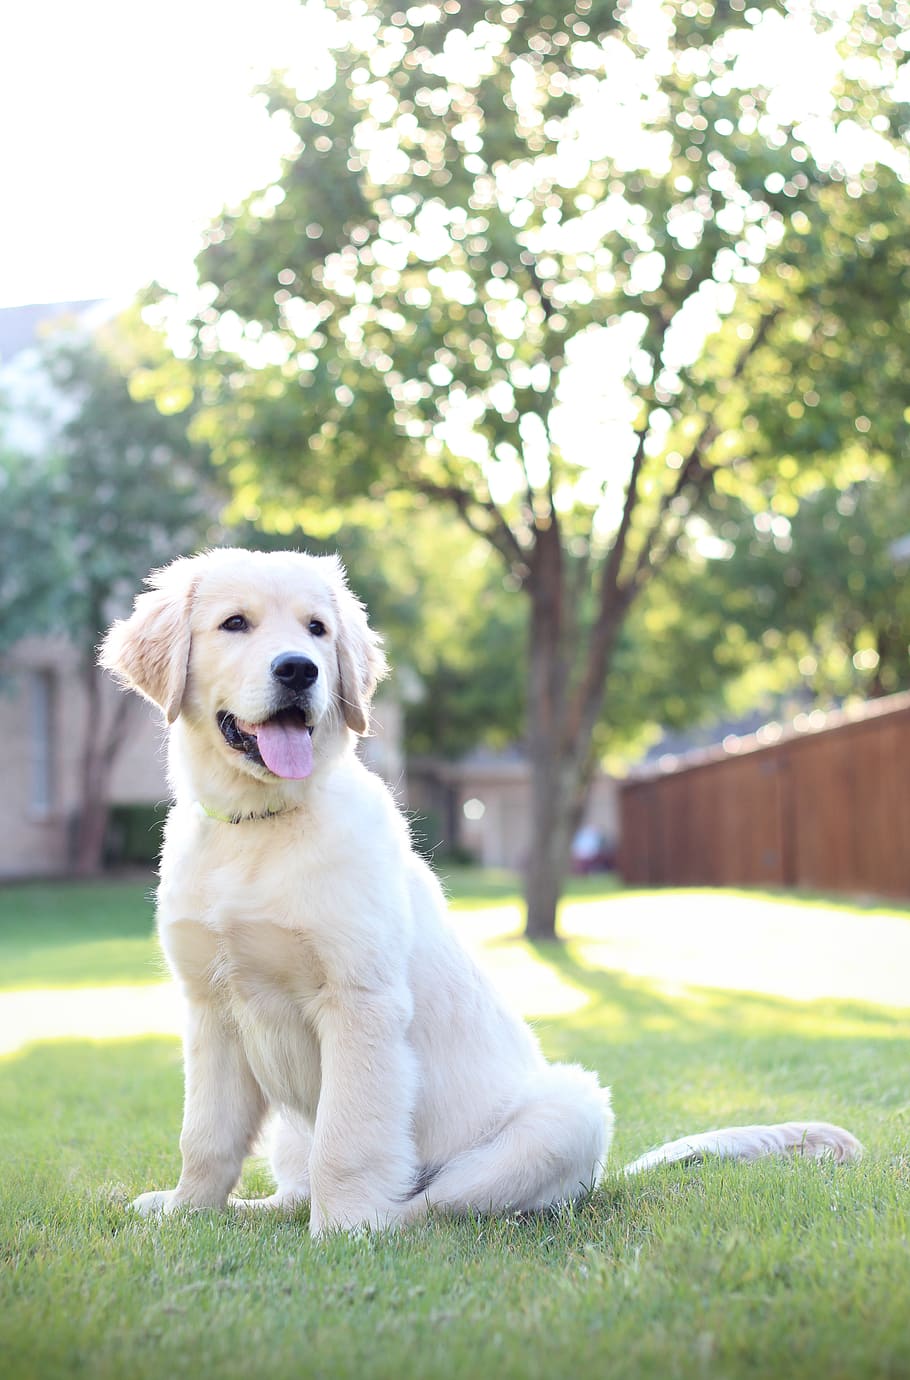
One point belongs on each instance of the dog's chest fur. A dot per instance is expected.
(266, 981)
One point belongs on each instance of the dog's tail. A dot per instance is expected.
(809, 1139)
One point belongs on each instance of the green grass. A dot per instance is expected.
(103, 932)
(86, 934)
(769, 1270)
(470, 888)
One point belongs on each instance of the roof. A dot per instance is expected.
(21, 327)
(770, 734)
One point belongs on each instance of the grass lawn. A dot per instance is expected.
(699, 1009)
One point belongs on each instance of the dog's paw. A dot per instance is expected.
(357, 1219)
(155, 1204)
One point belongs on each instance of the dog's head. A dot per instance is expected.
(267, 654)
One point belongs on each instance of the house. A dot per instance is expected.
(44, 696)
(43, 712)
(43, 703)
(481, 806)
(43, 709)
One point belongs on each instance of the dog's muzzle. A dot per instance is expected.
(282, 744)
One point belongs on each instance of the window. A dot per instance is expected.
(41, 735)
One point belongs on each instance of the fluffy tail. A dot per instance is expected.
(811, 1139)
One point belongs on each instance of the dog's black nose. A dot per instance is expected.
(296, 672)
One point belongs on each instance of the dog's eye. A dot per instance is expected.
(236, 623)
(317, 628)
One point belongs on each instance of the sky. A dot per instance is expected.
(126, 128)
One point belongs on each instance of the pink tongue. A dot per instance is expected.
(286, 749)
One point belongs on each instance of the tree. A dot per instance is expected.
(829, 606)
(116, 490)
(535, 264)
(454, 635)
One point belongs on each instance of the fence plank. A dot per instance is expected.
(828, 810)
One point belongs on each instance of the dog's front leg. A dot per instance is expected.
(223, 1110)
(363, 1165)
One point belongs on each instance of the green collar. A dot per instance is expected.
(243, 819)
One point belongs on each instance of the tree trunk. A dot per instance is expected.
(553, 775)
(91, 829)
(100, 746)
(553, 798)
(560, 730)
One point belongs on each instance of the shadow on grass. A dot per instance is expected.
(680, 1058)
(682, 1062)
(644, 1005)
(679, 1061)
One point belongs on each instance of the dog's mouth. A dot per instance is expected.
(283, 744)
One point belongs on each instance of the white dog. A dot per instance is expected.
(322, 981)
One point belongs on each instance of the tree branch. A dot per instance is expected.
(537, 282)
(609, 604)
(496, 530)
(114, 740)
(616, 596)
(692, 472)
(610, 580)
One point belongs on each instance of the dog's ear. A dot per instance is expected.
(150, 650)
(361, 662)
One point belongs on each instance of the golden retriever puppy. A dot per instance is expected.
(321, 979)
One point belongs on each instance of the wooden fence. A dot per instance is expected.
(827, 808)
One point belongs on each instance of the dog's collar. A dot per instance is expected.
(244, 818)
